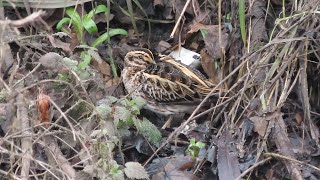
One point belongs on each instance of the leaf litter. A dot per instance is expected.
(82, 124)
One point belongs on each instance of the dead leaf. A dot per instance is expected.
(52, 61)
(194, 45)
(261, 123)
(114, 88)
(284, 146)
(207, 63)
(74, 41)
(158, 2)
(6, 58)
(211, 38)
(57, 43)
(101, 17)
(228, 165)
(163, 46)
(298, 118)
(135, 170)
(176, 169)
(102, 67)
(43, 103)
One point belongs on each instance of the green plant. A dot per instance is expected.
(124, 114)
(80, 68)
(194, 148)
(86, 24)
(242, 21)
(82, 24)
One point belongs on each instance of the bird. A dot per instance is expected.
(168, 86)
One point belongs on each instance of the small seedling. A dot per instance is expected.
(194, 148)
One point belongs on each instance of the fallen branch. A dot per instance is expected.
(26, 144)
(21, 22)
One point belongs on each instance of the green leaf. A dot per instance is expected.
(76, 22)
(90, 14)
(242, 21)
(125, 102)
(85, 61)
(194, 147)
(200, 144)
(192, 142)
(121, 114)
(64, 77)
(149, 130)
(139, 102)
(74, 15)
(83, 74)
(112, 99)
(89, 25)
(106, 35)
(72, 64)
(97, 10)
(135, 110)
(101, 9)
(103, 110)
(62, 22)
(204, 32)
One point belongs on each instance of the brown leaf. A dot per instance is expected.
(163, 46)
(228, 165)
(57, 43)
(43, 103)
(211, 40)
(261, 123)
(208, 66)
(298, 118)
(103, 67)
(284, 146)
(158, 2)
(175, 169)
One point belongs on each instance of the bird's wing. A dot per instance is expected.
(169, 81)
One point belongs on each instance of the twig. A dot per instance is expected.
(61, 161)
(11, 175)
(65, 117)
(252, 167)
(40, 163)
(26, 143)
(290, 159)
(18, 23)
(5, 85)
(33, 70)
(179, 19)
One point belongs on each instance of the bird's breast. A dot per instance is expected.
(132, 80)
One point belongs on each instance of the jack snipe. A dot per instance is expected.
(168, 86)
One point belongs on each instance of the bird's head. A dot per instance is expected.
(140, 58)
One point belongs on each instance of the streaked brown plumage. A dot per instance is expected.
(168, 86)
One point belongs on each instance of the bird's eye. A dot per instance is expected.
(140, 57)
